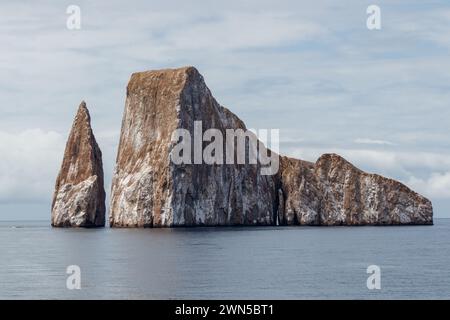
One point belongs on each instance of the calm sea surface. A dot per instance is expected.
(207, 263)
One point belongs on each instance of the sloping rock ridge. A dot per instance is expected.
(79, 197)
(149, 190)
(334, 192)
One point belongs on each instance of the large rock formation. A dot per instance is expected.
(150, 190)
(334, 192)
(79, 198)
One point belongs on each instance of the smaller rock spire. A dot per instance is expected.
(79, 198)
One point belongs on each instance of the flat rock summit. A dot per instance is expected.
(150, 190)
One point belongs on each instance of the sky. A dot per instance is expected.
(313, 70)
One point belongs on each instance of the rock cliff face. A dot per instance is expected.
(333, 192)
(149, 190)
(79, 198)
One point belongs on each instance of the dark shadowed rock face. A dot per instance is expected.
(79, 198)
(148, 190)
(298, 193)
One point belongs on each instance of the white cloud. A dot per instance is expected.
(29, 164)
(436, 185)
(372, 141)
(433, 26)
(232, 31)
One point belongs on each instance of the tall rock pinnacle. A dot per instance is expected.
(150, 190)
(79, 198)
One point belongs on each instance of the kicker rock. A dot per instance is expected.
(79, 198)
(334, 192)
(149, 190)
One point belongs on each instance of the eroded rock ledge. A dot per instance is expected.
(148, 190)
(334, 192)
(79, 197)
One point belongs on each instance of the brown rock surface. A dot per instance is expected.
(79, 198)
(334, 192)
(149, 190)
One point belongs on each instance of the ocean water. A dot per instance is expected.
(225, 263)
